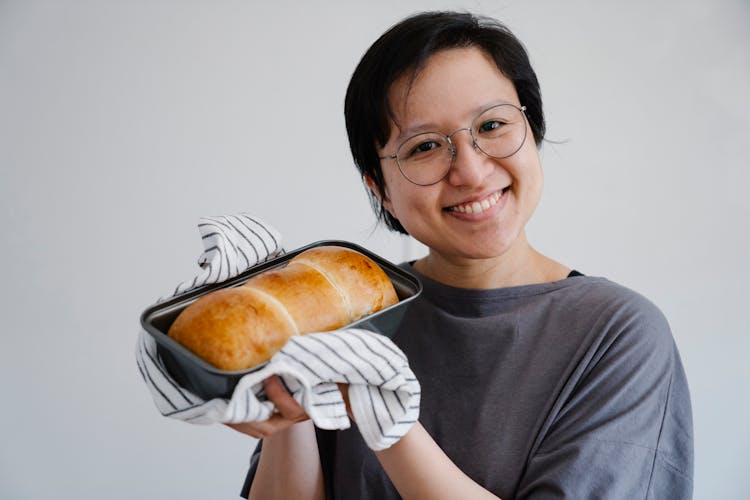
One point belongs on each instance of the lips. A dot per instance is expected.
(479, 205)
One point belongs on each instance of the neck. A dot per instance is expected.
(519, 265)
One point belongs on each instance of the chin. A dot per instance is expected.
(489, 247)
(483, 244)
(475, 252)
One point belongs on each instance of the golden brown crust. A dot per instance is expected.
(321, 289)
(311, 300)
(363, 283)
(233, 328)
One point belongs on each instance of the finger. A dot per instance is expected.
(263, 429)
(245, 428)
(284, 402)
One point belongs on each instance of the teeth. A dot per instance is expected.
(478, 206)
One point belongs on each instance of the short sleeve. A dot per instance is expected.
(622, 426)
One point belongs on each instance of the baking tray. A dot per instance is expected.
(207, 381)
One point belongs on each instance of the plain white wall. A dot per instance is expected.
(123, 122)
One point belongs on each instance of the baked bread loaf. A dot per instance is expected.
(320, 289)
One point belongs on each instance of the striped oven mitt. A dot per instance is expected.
(383, 392)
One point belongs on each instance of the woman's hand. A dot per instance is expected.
(288, 412)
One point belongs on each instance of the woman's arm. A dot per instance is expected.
(419, 469)
(289, 464)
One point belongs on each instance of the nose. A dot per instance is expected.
(470, 166)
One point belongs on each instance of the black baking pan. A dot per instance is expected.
(207, 381)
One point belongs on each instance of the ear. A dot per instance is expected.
(385, 201)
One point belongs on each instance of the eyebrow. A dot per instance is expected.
(417, 129)
(426, 127)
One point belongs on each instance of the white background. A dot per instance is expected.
(123, 122)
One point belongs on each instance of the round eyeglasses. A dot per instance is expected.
(498, 132)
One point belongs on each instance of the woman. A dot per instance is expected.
(536, 381)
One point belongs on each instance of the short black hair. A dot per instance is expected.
(405, 48)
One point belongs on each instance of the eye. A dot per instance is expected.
(424, 147)
(490, 126)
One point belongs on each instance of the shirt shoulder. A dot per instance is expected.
(616, 312)
(624, 403)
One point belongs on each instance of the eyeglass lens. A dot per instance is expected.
(498, 132)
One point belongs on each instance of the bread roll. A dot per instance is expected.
(320, 289)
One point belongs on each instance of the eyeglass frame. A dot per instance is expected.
(452, 146)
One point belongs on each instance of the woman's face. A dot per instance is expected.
(451, 90)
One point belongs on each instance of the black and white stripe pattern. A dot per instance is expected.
(383, 392)
(232, 243)
(172, 400)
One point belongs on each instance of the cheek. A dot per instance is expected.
(406, 202)
(530, 169)
(393, 200)
(534, 188)
(396, 202)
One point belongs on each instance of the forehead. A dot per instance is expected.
(452, 87)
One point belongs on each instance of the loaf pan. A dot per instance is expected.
(207, 381)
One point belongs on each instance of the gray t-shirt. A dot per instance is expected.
(572, 389)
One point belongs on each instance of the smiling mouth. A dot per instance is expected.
(478, 206)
